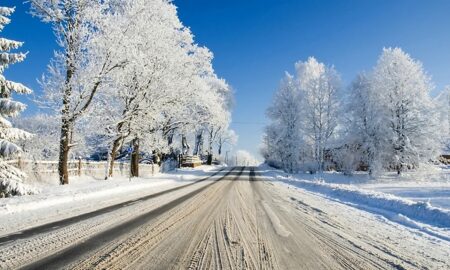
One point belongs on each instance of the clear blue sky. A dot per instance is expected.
(255, 41)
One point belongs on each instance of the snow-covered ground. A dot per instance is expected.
(156, 221)
(82, 195)
(431, 184)
(418, 200)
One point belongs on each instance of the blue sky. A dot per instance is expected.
(255, 41)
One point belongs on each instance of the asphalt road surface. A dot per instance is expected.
(231, 220)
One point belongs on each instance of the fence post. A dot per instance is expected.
(79, 166)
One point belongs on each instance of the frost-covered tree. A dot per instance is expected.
(219, 111)
(129, 72)
(443, 103)
(206, 104)
(284, 134)
(389, 120)
(243, 158)
(225, 137)
(304, 115)
(167, 87)
(407, 113)
(11, 179)
(393, 120)
(43, 145)
(365, 137)
(91, 45)
(319, 86)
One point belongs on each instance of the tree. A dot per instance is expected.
(131, 72)
(285, 131)
(365, 133)
(219, 111)
(227, 136)
(393, 120)
(443, 103)
(319, 86)
(91, 46)
(402, 94)
(243, 158)
(43, 145)
(11, 179)
(167, 87)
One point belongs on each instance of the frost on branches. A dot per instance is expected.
(304, 116)
(388, 121)
(11, 179)
(443, 103)
(129, 72)
(393, 118)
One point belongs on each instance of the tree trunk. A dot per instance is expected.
(184, 144)
(64, 147)
(210, 159)
(170, 138)
(112, 156)
(135, 158)
(210, 148)
(198, 143)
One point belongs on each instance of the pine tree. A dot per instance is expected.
(11, 179)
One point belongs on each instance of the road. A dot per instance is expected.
(231, 220)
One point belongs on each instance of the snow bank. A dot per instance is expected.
(11, 181)
(88, 189)
(86, 194)
(419, 211)
(76, 193)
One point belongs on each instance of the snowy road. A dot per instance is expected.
(233, 220)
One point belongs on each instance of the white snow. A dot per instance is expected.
(361, 192)
(415, 247)
(56, 202)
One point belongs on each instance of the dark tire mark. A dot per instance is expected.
(72, 253)
(27, 233)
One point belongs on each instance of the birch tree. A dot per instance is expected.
(319, 86)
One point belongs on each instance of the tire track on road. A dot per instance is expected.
(71, 253)
(129, 252)
(309, 245)
(27, 233)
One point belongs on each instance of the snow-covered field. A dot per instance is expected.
(418, 200)
(430, 185)
(82, 195)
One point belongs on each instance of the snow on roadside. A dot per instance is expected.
(85, 195)
(436, 194)
(414, 214)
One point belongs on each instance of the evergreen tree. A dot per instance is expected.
(11, 179)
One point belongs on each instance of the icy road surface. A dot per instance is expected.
(233, 220)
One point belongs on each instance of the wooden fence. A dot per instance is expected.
(48, 170)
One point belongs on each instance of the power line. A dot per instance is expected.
(249, 123)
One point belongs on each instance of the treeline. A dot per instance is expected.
(385, 120)
(128, 74)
